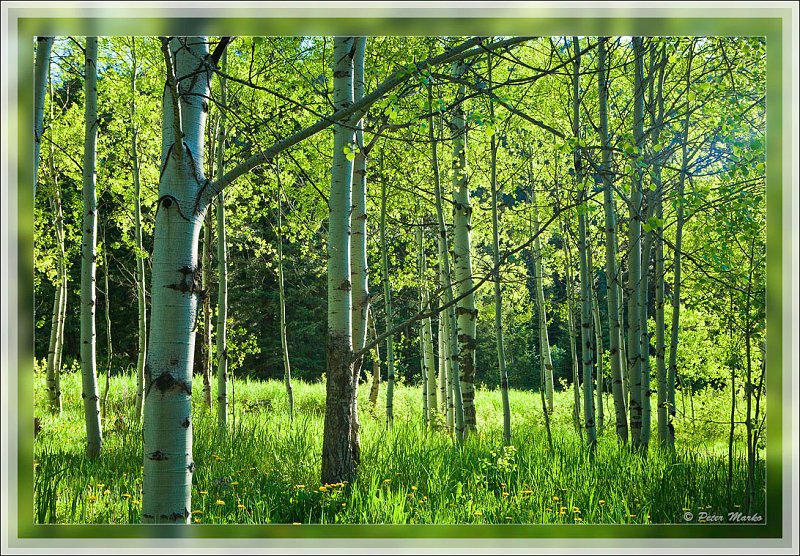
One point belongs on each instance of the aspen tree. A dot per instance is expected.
(611, 268)
(462, 257)
(222, 266)
(91, 399)
(339, 462)
(40, 78)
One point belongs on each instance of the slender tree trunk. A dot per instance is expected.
(140, 252)
(41, 71)
(60, 297)
(455, 405)
(91, 400)
(498, 299)
(658, 243)
(598, 334)
(576, 385)
(376, 363)
(222, 270)
(176, 286)
(426, 331)
(634, 252)
(109, 345)
(358, 247)
(206, 285)
(387, 295)
(287, 370)
(672, 367)
(339, 461)
(546, 369)
(442, 361)
(587, 349)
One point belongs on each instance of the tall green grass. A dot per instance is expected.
(268, 470)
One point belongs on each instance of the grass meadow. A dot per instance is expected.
(269, 468)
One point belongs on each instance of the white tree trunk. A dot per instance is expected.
(634, 254)
(222, 268)
(91, 400)
(168, 464)
(612, 271)
(462, 257)
(141, 299)
(339, 461)
(587, 349)
(41, 70)
(426, 331)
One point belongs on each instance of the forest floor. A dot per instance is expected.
(269, 469)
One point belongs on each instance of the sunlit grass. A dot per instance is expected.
(268, 471)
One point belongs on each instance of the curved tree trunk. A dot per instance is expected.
(376, 362)
(339, 461)
(91, 400)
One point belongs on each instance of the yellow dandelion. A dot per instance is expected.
(136, 502)
(424, 498)
(631, 515)
(344, 504)
(92, 499)
(576, 510)
(220, 502)
(323, 489)
(106, 491)
(299, 486)
(387, 481)
(241, 506)
(478, 513)
(508, 517)
(126, 495)
(578, 519)
(410, 495)
(601, 502)
(562, 509)
(549, 509)
(505, 494)
(197, 512)
(413, 487)
(203, 492)
(196, 520)
(100, 485)
(556, 499)
(526, 491)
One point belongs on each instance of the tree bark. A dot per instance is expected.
(587, 349)
(455, 405)
(546, 367)
(287, 369)
(41, 71)
(498, 299)
(634, 251)
(387, 295)
(339, 460)
(206, 285)
(91, 400)
(222, 270)
(141, 299)
(176, 286)
(462, 257)
(672, 367)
